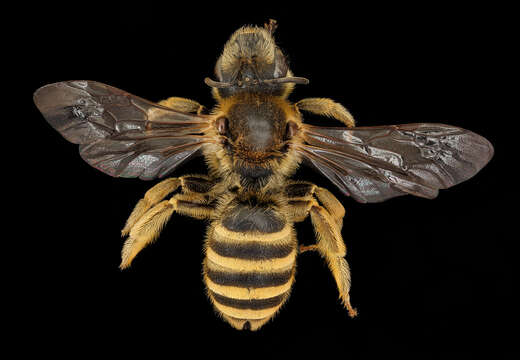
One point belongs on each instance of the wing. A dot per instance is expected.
(373, 164)
(119, 133)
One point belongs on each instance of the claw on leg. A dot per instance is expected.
(341, 272)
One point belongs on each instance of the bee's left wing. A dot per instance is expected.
(372, 164)
(119, 133)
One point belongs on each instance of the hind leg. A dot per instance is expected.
(300, 192)
(327, 222)
(331, 246)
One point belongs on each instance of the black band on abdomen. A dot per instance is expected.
(253, 304)
(249, 279)
(253, 250)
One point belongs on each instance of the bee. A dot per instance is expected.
(253, 140)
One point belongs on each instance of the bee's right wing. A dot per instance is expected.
(372, 164)
(119, 133)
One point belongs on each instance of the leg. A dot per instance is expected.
(149, 216)
(327, 107)
(182, 104)
(300, 193)
(327, 228)
(196, 184)
(331, 246)
(304, 248)
(149, 226)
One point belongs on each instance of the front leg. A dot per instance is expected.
(327, 228)
(327, 107)
(182, 104)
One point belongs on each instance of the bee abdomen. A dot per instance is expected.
(244, 219)
(249, 273)
(251, 297)
(253, 304)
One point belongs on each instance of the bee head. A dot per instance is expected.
(251, 61)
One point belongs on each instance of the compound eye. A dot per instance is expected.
(291, 130)
(222, 125)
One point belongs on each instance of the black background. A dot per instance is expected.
(432, 277)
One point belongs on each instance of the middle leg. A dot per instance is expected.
(151, 214)
(195, 184)
(149, 226)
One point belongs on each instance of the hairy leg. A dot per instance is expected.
(327, 107)
(327, 220)
(151, 214)
(300, 193)
(182, 104)
(149, 226)
(194, 183)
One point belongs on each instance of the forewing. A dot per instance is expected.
(119, 133)
(373, 164)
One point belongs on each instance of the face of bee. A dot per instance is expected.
(249, 57)
(250, 53)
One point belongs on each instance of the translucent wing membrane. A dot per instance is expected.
(373, 164)
(119, 133)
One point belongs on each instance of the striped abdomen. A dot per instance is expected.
(250, 264)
